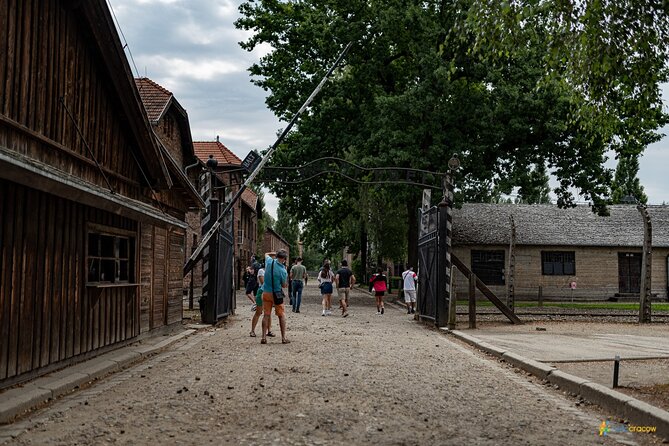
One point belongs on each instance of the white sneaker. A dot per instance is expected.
(328, 312)
(323, 313)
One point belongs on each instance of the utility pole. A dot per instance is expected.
(646, 267)
(511, 273)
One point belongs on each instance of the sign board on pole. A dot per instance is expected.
(251, 161)
(424, 214)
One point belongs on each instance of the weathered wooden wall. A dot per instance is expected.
(161, 276)
(55, 57)
(47, 313)
(596, 272)
(48, 64)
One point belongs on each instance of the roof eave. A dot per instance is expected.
(109, 46)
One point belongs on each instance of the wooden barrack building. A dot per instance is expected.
(91, 210)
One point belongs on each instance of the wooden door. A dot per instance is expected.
(629, 272)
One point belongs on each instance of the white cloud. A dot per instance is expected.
(227, 9)
(271, 203)
(160, 2)
(177, 68)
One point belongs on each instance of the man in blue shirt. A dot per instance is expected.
(276, 278)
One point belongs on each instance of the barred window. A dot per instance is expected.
(489, 266)
(110, 258)
(558, 263)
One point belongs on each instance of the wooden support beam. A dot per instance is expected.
(472, 301)
(486, 291)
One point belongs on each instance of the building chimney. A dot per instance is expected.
(217, 140)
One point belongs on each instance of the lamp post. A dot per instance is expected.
(445, 311)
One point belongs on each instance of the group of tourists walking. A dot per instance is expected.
(343, 279)
(265, 284)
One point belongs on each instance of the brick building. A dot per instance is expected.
(228, 172)
(170, 124)
(272, 242)
(555, 247)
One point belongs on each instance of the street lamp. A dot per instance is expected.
(454, 162)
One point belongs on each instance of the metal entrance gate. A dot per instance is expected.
(225, 294)
(218, 295)
(428, 264)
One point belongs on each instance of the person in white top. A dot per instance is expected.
(409, 278)
(258, 307)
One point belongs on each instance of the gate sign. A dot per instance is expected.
(425, 215)
(251, 161)
(572, 285)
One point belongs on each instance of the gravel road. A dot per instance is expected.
(364, 379)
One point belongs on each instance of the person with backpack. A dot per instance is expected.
(379, 283)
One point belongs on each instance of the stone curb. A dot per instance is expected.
(16, 401)
(529, 365)
(625, 406)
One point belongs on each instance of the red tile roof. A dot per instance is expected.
(251, 198)
(154, 97)
(222, 154)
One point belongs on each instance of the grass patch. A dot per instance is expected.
(656, 306)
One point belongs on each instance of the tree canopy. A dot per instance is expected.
(514, 88)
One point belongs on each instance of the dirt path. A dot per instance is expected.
(365, 379)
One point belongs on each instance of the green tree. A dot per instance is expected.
(412, 92)
(264, 220)
(611, 54)
(312, 257)
(534, 188)
(287, 226)
(626, 183)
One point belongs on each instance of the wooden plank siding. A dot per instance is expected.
(161, 276)
(159, 297)
(146, 276)
(49, 67)
(176, 260)
(60, 58)
(48, 314)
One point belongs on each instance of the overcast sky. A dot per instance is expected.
(191, 48)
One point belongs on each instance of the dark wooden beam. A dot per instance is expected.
(506, 311)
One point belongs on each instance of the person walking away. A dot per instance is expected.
(290, 287)
(276, 279)
(298, 274)
(251, 285)
(258, 304)
(379, 284)
(409, 278)
(325, 279)
(344, 279)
